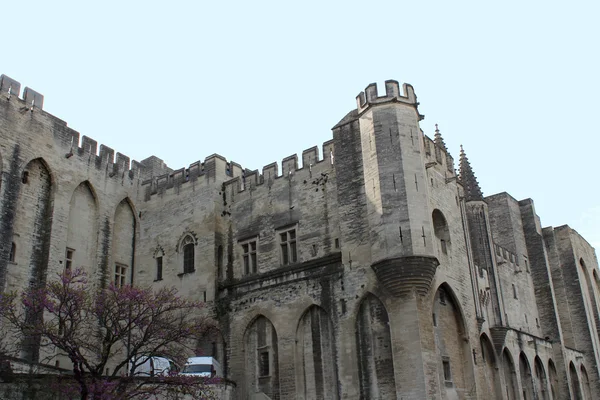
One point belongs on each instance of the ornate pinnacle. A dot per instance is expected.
(439, 140)
(468, 179)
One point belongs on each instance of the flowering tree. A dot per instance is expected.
(109, 333)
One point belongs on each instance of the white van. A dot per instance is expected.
(202, 366)
(153, 366)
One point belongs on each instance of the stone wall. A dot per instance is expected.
(367, 271)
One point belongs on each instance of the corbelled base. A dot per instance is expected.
(400, 275)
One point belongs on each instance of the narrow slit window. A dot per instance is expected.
(69, 258)
(159, 268)
(447, 370)
(13, 250)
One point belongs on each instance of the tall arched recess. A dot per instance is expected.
(316, 372)
(526, 377)
(490, 368)
(575, 385)
(123, 244)
(32, 230)
(541, 381)
(585, 381)
(262, 360)
(510, 378)
(455, 366)
(82, 232)
(375, 357)
(554, 384)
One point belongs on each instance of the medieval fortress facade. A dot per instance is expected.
(367, 268)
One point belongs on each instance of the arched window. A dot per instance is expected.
(187, 245)
(441, 230)
(13, 250)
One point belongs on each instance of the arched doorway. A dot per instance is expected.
(510, 379)
(454, 354)
(262, 359)
(316, 372)
(375, 357)
(491, 368)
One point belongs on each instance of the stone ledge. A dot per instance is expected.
(326, 265)
(400, 275)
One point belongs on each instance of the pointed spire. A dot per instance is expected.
(468, 179)
(439, 140)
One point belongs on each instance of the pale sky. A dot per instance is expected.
(515, 82)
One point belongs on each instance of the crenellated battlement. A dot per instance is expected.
(11, 88)
(370, 96)
(68, 139)
(289, 166)
(216, 169)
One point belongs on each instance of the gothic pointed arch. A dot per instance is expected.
(186, 248)
(541, 380)
(32, 231)
(589, 297)
(575, 383)
(455, 367)
(316, 369)
(491, 374)
(375, 355)
(510, 376)
(441, 230)
(123, 243)
(262, 360)
(526, 377)
(82, 229)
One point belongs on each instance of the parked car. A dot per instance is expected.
(154, 366)
(202, 366)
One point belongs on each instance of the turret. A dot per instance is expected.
(385, 133)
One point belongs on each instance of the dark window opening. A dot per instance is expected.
(25, 177)
(249, 257)
(447, 371)
(159, 268)
(69, 258)
(13, 250)
(188, 255)
(442, 297)
(120, 275)
(337, 243)
(263, 367)
(287, 241)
